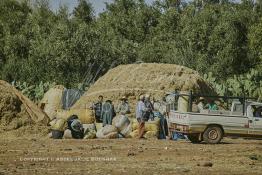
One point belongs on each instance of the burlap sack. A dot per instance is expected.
(121, 122)
(58, 124)
(67, 134)
(106, 132)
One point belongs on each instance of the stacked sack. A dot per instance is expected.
(58, 127)
(121, 128)
(123, 125)
(107, 132)
(89, 132)
(151, 128)
(61, 128)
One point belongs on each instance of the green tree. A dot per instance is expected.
(84, 11)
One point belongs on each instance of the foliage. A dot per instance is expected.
(249, 84)
(34, 92)
(219, 36)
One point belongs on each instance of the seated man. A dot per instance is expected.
(212, 106)
(76, 127)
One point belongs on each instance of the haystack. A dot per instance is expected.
(18, 111)
(52, 101)
(135, 79)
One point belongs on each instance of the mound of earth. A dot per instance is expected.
(18, 112)
(135, 79)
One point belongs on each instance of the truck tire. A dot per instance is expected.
(194, 138)
(213, 135)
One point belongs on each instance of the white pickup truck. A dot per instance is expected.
(212, 126)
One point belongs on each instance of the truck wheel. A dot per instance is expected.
(194, 138)
(213, 135)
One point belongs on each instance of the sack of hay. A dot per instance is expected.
(107, 132)
(149, 125)
(183, 104)
(121, 122)
(52, 101)
(89, 127)
(58, 124)
(86, 116)
(126, 131)
(151, 134)
(67, 134)
(89, 134)
(134, 134)
(98, 126)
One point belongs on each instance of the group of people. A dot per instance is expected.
(203, 104)
(105, 111)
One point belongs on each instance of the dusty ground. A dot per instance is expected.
(129, 156)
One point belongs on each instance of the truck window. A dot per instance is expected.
(258, 111)
(238, 108)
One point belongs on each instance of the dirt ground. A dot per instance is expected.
(128, 156)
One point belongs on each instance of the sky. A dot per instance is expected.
(99, 5)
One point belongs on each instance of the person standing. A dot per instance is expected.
(140, 116)
(98, 109)
(163, 106)
(108, 113)
(123, 106)
(200, 104)
(149, 106)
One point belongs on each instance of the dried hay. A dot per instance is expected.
(135, 79)
(19, 114)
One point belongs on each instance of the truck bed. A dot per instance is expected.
(197, 122)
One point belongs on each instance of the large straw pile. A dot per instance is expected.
(135, 79)
(17, 112)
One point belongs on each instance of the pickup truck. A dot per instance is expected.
(212, 126)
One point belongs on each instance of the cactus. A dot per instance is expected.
(249, 83)
(33, 92)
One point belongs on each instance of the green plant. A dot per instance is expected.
(33, 92)
(249, 84)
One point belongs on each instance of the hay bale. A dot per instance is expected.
(149, 126)
(134, 134)
(52, 101)
(86, 116)
(151, 134)
(133, 79)
(58, 124)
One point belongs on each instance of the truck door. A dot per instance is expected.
(257, 121)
